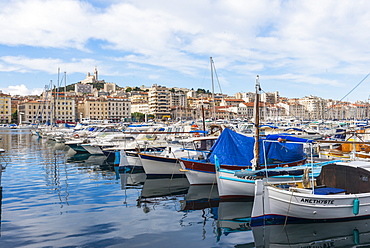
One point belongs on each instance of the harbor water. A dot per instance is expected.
(52, 197)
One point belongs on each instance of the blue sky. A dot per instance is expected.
(299, 48)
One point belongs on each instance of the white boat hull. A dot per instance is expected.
(229, 186)
(198, 177)
(134, 161)
(284, 205)
(157, 166)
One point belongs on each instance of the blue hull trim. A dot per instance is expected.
(281, 219)
(160, 159)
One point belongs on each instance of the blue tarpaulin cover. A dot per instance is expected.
(327, 191)
(232, 148)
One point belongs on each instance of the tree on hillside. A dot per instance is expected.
(137, 89)
(200, 91)
(136, 116)
(97, 86)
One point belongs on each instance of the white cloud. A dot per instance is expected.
(21, 90)
(43, 23)
(49, 65)
(271, 37)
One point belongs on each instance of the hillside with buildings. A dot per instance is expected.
(97, 100)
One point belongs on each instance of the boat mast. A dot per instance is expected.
(65, 98)
(213, 91)
(256, 159)
(54, 114)
(203, 121)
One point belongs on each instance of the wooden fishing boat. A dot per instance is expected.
(340, 193)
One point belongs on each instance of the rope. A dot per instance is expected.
(286, 216)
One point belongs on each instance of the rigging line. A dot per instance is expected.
(214, 67)
(351, 90)
(355, 86)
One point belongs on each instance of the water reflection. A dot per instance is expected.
(60, 146)
(78, 157)
(98, 160)
(1, 202)
(54, 198)
(200, 197)
(162, 187)
(234, 216)
(161, 191)
(56, 174)
(132, 176)
(334, 234)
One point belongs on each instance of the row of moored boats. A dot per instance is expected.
(291, 178)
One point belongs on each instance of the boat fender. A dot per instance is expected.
(356, 206)
(117, 158)
(356, 236)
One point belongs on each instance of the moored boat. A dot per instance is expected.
(340, 193)
(241, 184)
(167, 162)
(235, 151)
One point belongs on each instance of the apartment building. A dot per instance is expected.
(139, 96)
(110, 87)
(83, 88)
(159, 101)
(140, 107)
(115, 109)
(5, 108)
(270, 97)
(294, 109)
(315, 106)
(119, 109)
(178, 99)
(47, 111)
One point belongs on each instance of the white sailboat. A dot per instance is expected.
(241, 183)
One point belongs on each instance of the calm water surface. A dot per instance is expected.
(54, 198)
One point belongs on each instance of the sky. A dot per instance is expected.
(298, 48)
